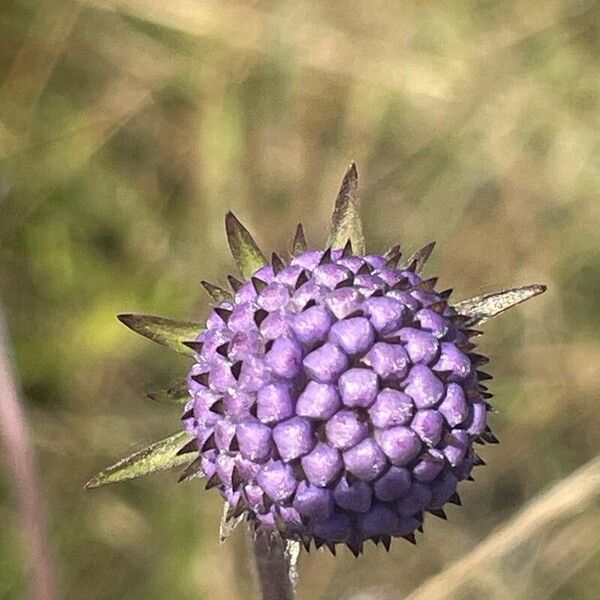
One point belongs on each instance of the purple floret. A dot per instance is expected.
(335, 399)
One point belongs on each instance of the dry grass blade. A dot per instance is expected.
(244, 28)
(18, 454)
(34, 63)
(64, 150)
(569, 497)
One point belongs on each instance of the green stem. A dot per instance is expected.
(272, 567)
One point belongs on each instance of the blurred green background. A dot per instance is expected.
(128, 127)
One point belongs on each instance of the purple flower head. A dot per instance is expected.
(361, 406)
(334, 397)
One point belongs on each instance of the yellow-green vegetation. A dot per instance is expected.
(128, 128)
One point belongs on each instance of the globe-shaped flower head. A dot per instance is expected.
(335, 396)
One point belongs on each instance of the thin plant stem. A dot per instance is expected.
(19, 457)
(272, 567)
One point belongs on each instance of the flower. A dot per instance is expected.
(335, 397)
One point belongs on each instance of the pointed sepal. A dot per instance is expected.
(482, 308)
(299, 244)
(218, 294)
(244, 249)
(192, 471)
(229, 521)
(417, 261)
(235, 283)
(163, 331)
(159, 456)
(176, 395)
(345, 221)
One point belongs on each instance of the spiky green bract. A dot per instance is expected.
(346, 224)
(244, 249)
(420, 257)
(482, 308)
(159, 456)
(163, 331)
(176, 395)
(217, 293)
(299, 244)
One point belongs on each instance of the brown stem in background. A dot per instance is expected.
(19, 456)
(272, 567)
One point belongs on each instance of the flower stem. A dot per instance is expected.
(272, 567)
